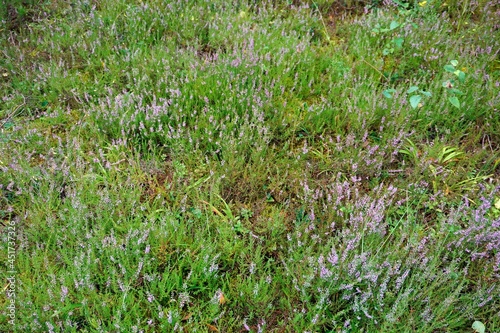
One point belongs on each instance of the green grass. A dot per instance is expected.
(228, 166)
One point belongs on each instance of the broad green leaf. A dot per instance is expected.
(454, 63)
(399, 42)
(478, 327)
(412, 89)
(394, 25)
(8, 124)
(426, 93)
(449, 68)
(461, 76)
(415, 100)
(497, 203)
(454, 101)
(388, 92)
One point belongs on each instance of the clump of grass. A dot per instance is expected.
(194, 166)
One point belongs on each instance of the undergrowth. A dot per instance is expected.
(238, 167)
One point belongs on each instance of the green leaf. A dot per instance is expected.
(478, 327)
(454, 63)
(448, 154)
(376, 28)
(402, 4)
(415, 100)
(196, 212)
(449, 68)
(399, 42)
(456, 91)
(412, 89)
(394, 25)
(8, 124)
(461, 76)
(497, 203)
(388, 92)
(426, 93)
(454, 101)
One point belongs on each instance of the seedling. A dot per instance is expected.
(394, 44)
(450, 84)
(415, 98)
(411, 151)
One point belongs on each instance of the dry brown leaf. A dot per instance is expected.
(212, 328)
(186, 317)
(222, 299)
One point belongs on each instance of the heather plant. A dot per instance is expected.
(234, 166)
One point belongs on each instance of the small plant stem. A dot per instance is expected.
(323, 22)
(385, 77)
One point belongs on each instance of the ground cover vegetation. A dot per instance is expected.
(233, 166)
